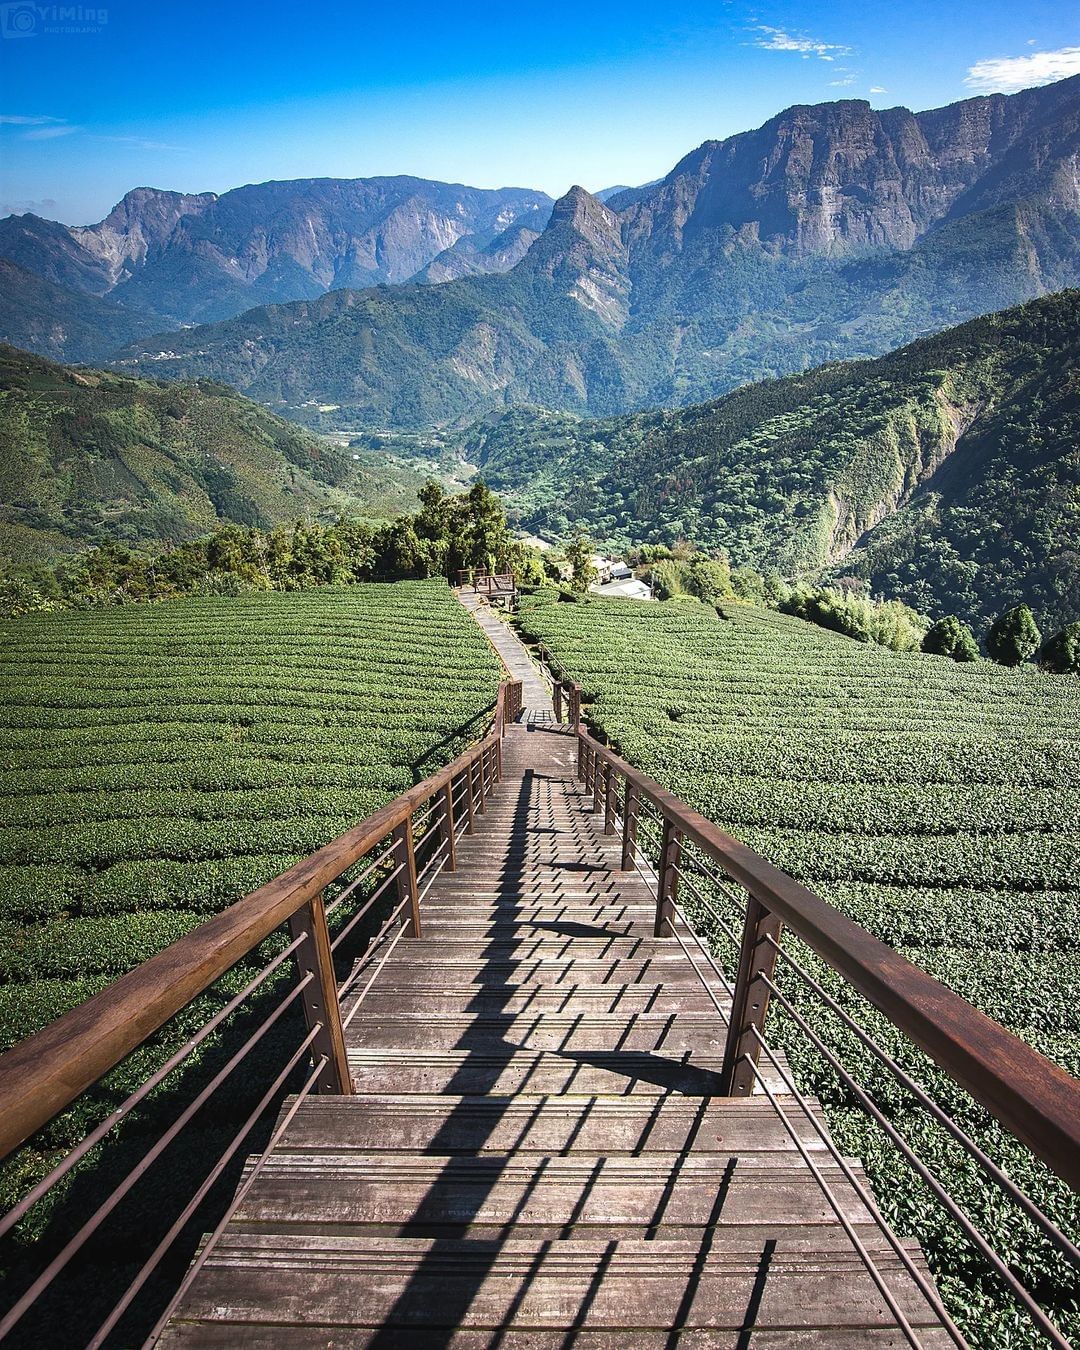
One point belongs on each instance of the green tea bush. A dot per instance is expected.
(157, 762)
(937, 804)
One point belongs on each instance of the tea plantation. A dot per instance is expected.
(937, 804)
(159, 761)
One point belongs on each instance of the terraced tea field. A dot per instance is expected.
(937, 804)
(157, 762)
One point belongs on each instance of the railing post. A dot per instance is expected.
(575, 704)
(497, 774)
(611, 788)
(750, 1002)
(470, 799)
(320, 997)
(407, 888)
(667, 884)
(556, 698)
(629, 827)
(481, 776)
(600, 777)
(448, 834)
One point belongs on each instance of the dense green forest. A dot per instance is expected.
(90, 457)
(946, 474)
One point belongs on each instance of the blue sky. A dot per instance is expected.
(199, 96)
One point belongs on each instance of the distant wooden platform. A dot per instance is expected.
(535, 1156)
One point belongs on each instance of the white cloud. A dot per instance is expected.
(778, 40)
(21, 207)
(836, 84)
(139, 143)
(50, 133)
(1006, 74)
(877, 89)
(17, 120)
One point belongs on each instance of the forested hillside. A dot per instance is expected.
(946, 474)
(90, 457)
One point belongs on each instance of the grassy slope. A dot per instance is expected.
(156, 762)
(159, 761)
(793, 474)
(938, 805)
(63, 323)
(87, 456)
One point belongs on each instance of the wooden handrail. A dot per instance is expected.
(1034, 1098)
(47, 1071)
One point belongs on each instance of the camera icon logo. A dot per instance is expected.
(19, 20)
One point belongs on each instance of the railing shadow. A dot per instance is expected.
(498, 1003)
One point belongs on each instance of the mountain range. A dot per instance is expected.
(168, 258)
(946, 474)
(833, 231)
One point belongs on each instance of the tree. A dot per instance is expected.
(1061, 653)
(1014, 636)
(580, 557)
(950, 637)
(710, 578)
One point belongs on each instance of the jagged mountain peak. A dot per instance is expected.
(587, 215)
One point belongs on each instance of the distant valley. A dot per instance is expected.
(946, 474)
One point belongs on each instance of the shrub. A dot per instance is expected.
(1061, 653)
(1014, 636)
(951, 637)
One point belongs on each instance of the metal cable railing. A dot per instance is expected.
(394, 856)
(735, 898)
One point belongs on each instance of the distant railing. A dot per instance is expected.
(400, 849)
(676, 850)
(490, 584)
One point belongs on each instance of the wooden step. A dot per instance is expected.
(614, 1126)
(532, 1073)
(326, 1289)
(391, 995)
(651, 1195)
(537, 947)
(544, 921)
(666, 1033)
(670, 968)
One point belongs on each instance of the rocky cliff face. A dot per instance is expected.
(841, 179)
(137, 227)
(583, 255)
(204, 257)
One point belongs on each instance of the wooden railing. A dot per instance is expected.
(404, 845)
(491, 584)
(1035, 1100)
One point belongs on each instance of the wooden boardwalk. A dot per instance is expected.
(534, 1157)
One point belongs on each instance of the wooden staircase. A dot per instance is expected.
(534, 1156)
